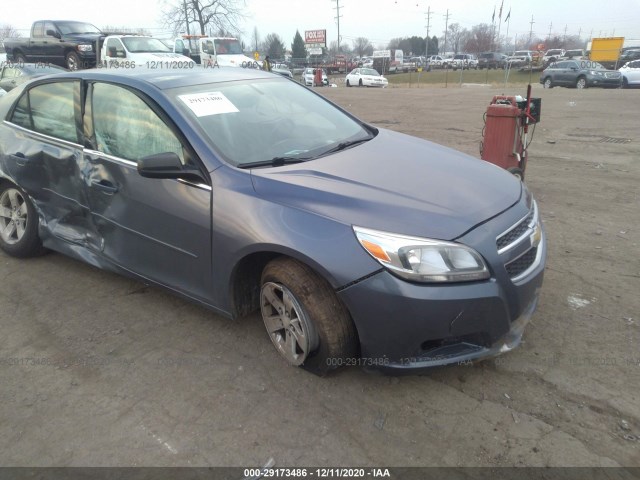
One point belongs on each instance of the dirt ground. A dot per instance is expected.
(96, 369)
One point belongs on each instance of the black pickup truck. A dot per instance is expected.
(69, 44)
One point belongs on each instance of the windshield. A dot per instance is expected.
(370, 71)
(228, 46)
(145, 44)
(258, 120)
(67, 28)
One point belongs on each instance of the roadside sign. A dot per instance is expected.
(315, 51)
(315, 36)
(256, 55)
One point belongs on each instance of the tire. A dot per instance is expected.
(516, 172)
(20, 58)
(307, 323)
(360, 82)
(72, 61)
(348, 84)
(581, 83)
(548, 83)
(18, 223)
(625, 83)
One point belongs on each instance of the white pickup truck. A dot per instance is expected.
(127, 51)
(212, 51)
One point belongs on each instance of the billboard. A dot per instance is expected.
(606, 49)
(315, 36)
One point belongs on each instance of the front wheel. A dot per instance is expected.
(581, 83)
(360, 82)
(348, 84)
(20, 59)
(548, 83)
(516, 172)
(306, 321)
(625, 83)
(73, 61)
(18, 223)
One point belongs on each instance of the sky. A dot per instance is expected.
(378, 20)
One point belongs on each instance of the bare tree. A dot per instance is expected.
(456, 36)
(8, 31)
(480, 39)
(113, 30)
(211, 15)
(255, 39)
(362, 46)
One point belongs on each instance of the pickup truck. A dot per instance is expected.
(129, 51)
(69, 44)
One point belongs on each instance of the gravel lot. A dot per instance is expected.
(96, 369)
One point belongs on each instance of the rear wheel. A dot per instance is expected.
(18, 223)
(625, 83)
(348, 84)
(581, 83)
(304, 318)
(548, 83)
(360, 82)
(20, 58)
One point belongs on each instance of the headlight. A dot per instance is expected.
(85, 48)
(594, 72)
(423, 259)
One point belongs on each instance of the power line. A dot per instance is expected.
(337, 17)
(429, 13)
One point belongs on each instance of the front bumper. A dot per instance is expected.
(598, 81)
(407, 327)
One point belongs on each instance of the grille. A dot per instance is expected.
(520, 264)
(515, 233)
(612, 75)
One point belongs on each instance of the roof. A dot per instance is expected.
(171, 78)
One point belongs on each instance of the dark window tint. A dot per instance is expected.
(49, 109)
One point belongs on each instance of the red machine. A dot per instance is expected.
(317, 80)
(505, 132)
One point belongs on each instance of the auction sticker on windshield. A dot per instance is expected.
(209, 103)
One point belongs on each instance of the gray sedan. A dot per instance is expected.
(579, 74)
(242, 191)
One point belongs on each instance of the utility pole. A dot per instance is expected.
(531, 31)
(549, 37)
(446, 27)
(337, 17)
(564, 39)
(429, 12)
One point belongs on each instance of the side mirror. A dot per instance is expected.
(575, 69)
(121, 54)
(167, 165)
(52, 33)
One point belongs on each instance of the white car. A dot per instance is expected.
(630, 74)
(552, 55)
(309, 75)
(366, 77)
(464, 60)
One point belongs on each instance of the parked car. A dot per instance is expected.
(366, 77)
(629, 55)
(309, 75)
(464, 61)
(630, 74)
(579, 74)
(14, 74)
(491, 60)
(437, 61)
(69, 44)
(281, 69)
(552, 55)
(243, 191)
(520, 58)
(577, 54)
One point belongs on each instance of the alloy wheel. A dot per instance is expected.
(13, 216)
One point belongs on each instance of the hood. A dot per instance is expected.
(228, 60)
(158, 57)
(83, 37)
(395, 183)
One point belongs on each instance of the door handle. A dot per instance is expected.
(105, 185)
(21, 159)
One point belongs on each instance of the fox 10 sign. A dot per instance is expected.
(317, 38)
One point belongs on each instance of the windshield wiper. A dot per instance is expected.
(274, 162)
(344, 145)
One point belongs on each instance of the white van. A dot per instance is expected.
(225, 52)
